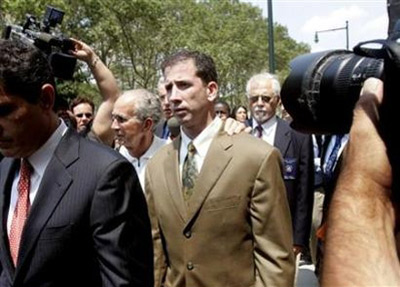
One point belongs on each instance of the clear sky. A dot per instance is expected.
(367, 20)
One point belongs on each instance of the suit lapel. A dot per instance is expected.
(54, 184)
(217, 158)
(172, 178)
(282, 137)
(8, 168)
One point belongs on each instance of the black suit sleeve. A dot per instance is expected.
(305, 191)
(121, 228)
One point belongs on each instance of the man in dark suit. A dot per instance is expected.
(263, 92)
(167, 127)
(72, 212)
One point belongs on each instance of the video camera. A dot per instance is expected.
(322, 89)
(43, 36)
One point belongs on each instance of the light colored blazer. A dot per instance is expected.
(235, 230)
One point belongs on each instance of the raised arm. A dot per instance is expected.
(108, 87)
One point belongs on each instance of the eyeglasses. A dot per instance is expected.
(264, 99)
(87, 115)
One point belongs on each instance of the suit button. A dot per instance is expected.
(188, 234)
(190, 266)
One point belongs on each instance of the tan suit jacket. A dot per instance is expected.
(235, 230)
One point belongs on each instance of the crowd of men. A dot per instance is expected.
(165, 190)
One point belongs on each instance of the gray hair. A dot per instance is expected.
(147, 105)
(276, 87)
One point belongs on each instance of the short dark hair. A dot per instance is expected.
(78, 101)
(24, 69)
(205, 65)
(225, 104)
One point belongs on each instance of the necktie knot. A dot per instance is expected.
(25, 169)
(259, 130)
(191, 148)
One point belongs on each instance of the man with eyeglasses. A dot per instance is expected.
(263, 92)
(95, 126)
(83, 111)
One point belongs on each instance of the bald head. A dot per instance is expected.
(140, 103)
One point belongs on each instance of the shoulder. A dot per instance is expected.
(294, 133)
(165, 151)
(247, 145)
(89, 151)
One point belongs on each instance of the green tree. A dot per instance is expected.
(134, 36)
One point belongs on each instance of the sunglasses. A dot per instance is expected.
(264, 99)
(87, 115)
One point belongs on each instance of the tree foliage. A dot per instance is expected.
(133, 37)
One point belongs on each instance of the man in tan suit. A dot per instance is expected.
(217, 203)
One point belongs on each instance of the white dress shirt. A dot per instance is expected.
(39, 162)
(269, 129)
(140, 163)
(202, 143)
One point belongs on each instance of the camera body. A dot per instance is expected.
(322, 89)
(52, 43)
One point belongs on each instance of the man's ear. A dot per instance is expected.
(47, 97)
(148, 124)
(277, 100)
(212, 90)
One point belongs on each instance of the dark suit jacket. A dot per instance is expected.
(297, 152)
(159, 128)
(88, 225)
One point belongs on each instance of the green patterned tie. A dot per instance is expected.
(189, 172)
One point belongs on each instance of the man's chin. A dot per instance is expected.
(14, 152)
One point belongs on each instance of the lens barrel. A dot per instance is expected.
(322, 89)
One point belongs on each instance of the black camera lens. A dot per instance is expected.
(322, 89)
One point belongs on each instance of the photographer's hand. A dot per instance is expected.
(360, 245)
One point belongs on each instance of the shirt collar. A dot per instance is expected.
(41, 158)
(203, 140)
(268, 124)
(155, 146)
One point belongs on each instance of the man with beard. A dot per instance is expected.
(263, 92)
